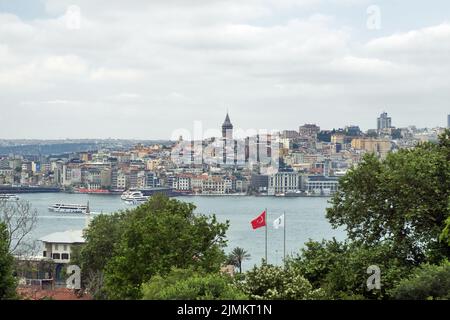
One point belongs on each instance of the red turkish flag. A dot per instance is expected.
(259, 221)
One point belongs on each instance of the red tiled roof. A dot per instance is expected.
(55, 294)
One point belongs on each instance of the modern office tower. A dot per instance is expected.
(384, 122)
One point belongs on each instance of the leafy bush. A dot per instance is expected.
(426, 282)
(277, 282)
(185, 284)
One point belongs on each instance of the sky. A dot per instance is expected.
(142, 69)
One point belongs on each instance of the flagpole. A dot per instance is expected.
(266, 232)
(284, 238)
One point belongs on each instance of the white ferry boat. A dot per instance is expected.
(133, 197)
(9, 197)
(69, 208)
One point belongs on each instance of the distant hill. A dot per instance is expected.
(52, 147)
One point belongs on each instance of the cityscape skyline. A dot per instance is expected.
(174, 136)
(77, 69)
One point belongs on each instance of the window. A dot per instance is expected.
(56, 247)
(56, 256)
(65, 247)
(44, 254)
(65, 256)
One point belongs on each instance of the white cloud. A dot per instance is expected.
(171, 63)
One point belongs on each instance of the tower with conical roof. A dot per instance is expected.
(227, 128)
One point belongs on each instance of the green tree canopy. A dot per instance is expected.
(340, 268)
(403, 199)
(187, 284)
(426, 282)
(158, 235)
(278, 283)
(237, 256)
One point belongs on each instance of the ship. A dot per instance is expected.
(133, 197)
(70, 208)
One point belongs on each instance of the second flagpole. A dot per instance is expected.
(267, 215)
(284, 238)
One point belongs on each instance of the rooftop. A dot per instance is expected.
(69, 236)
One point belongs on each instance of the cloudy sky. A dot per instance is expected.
(141, 69)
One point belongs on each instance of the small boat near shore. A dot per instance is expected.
(9, 197)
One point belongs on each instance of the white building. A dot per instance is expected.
(58, 246)
(283, 182)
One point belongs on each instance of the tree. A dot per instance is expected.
(445, 235)
(403, 199)
(237, 256)
(278, 283)
(158, 235)
(426, 282)
(339, 268)
(7, 280)
(20, 219)
(186, 284)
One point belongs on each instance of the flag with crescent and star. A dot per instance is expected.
(259, 221)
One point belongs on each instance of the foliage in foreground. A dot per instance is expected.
(278, 283)
(340, 269)
(403, 199)
(7, 280)
(128, 249)
(186, 284)
(426, 282)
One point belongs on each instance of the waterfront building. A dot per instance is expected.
(259, 182)
(283, 182)
(321, 185)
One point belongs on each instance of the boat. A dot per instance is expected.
(134, 197)
(297, 193)
(69, 208)
(9, 197)
(127, 194)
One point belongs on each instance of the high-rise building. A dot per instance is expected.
(384, 122)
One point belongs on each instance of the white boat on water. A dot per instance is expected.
(133, 197)
(9, 197)
(69, 208)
